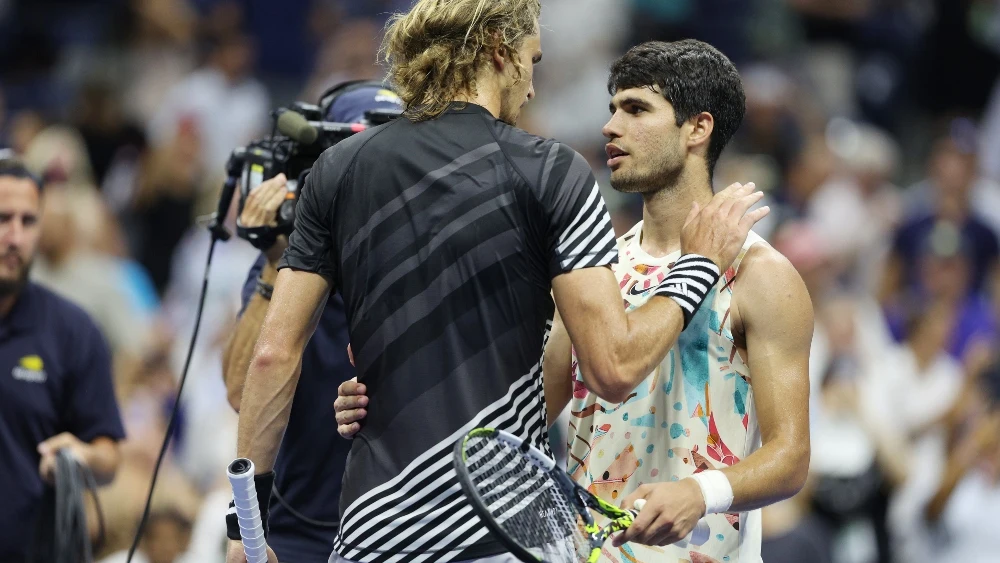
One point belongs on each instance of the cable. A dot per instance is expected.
(64, 536)
(335, 524)
(177, 402)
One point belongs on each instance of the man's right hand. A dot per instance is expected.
(261, 209)
(236, 554)
(719, 230)
(350, 407)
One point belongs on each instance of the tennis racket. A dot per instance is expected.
(531, 505)
(240, 475)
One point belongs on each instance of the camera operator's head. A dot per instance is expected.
(464, 50)
(267, 212)
(351, 101)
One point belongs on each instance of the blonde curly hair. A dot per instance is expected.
(435, 50)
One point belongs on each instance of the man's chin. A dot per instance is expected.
(12, 285)
(622, 182)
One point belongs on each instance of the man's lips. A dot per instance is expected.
(615, 154)
(12, 261)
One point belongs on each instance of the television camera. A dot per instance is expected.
(299, 136)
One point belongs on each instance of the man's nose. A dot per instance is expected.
(12, 234)
(611, 129)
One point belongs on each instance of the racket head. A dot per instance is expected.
(517, 491)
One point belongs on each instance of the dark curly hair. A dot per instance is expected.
(694, 77)
(12, 166)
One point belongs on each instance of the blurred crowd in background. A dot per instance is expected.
(872, 125)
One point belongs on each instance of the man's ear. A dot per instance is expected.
(701, 129)
(500, 57)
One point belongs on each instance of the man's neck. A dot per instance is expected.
(486, 96)
(664, 212)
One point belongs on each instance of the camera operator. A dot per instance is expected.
(310, 463)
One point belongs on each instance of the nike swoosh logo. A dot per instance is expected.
(632, 290)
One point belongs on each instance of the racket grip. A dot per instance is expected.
(240, 474)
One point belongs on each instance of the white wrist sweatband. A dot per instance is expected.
(716, 489)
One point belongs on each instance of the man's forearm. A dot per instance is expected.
(616, 350)
(265, 405)
(297, 303)
(102, 459)
(239, 350)
(774, 472)
(630, 349)
(653, 330)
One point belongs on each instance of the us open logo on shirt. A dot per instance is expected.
(30, 369)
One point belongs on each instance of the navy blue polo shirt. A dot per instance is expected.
(55, 376)
(310, 463)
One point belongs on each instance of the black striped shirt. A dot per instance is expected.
(443, 238)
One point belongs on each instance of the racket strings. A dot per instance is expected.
(526, 502)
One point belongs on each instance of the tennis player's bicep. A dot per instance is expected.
(296, 305)
(777, 317)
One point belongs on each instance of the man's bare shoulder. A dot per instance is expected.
(768, 282)
(764, 264)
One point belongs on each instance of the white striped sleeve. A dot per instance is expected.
(580, 231)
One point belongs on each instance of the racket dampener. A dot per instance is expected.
(240, 474)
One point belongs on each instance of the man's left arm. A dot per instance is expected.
(93, 421)
(296, 305)
(777, 318)
(305, 278)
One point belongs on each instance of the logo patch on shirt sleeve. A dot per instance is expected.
(30, 369)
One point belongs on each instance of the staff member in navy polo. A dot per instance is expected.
(310, 463)
(55, 375)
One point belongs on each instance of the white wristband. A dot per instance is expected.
(716, 489)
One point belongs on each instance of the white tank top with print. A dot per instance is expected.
(693, 413)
